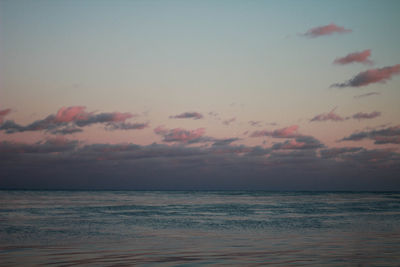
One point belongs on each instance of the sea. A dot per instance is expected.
(199, 228)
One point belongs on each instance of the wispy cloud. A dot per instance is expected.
(228, 121)
(359, 57)
(363, 116)
(326, 30)
(365, 78)
(330, 116)
(287, 132)
(255, 123)
(366, 95)
(188, 115)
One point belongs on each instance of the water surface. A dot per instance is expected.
(186, 228)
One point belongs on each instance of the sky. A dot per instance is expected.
(200, 95)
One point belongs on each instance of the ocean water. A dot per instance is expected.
(186, 228)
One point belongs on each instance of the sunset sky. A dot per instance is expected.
(273, 95)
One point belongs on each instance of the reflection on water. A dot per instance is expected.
(198, 228)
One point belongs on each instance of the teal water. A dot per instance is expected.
(109, 228)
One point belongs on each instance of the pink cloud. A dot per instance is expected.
(179, 134)
(362, 115)
(360, 57)
(4, 113)
(330, 116)
(68, 114)
(118, 116)
(288, 132)
(370, 76)
(326, 30)
(78, 114)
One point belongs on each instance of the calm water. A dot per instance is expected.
(105, 228)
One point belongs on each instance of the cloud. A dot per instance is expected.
(362, 115)
(180, 135)
(4, 113)
(188, 115)
(107, 117)
(389, 135)
(68, 114)
(288, 132)
(301, 142)
(326, 30)
(365, 78)
(359, 57)
(127, 126)
(338, 151)
(366, 95)
(255, 123)
(59, 163)
(224, 142)
(228, 121)
(50, 145)
(70, 120)
(330, 116)
(373, 159)
(66, 130)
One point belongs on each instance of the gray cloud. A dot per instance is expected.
(389, 135)
(301, 142)
(127, 126)
(363, 115)
(188, 115)
(365, 78)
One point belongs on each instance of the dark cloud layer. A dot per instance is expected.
(67, 164)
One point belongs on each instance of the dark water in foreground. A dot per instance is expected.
(105, 228)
